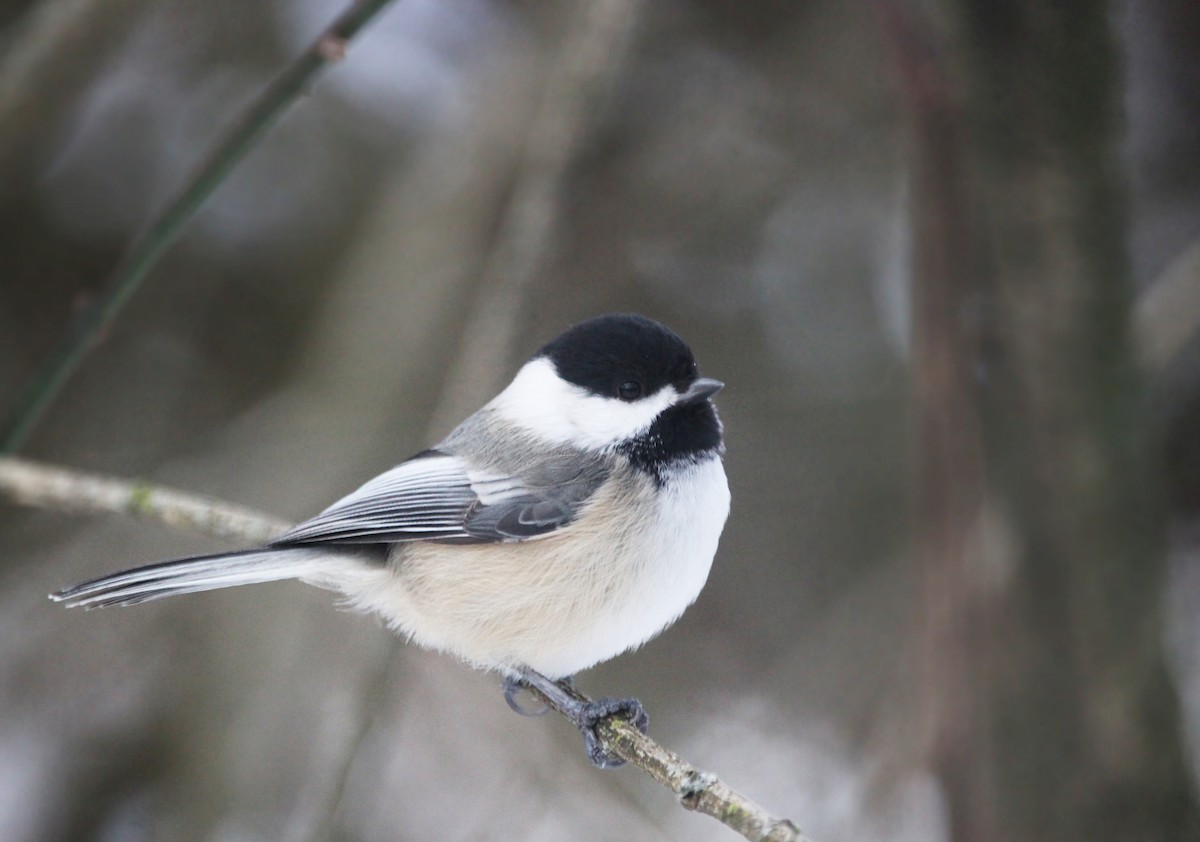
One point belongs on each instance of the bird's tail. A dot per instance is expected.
(222, 570)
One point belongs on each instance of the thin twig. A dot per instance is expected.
(242, 136)
(697, 790)
(34, 484)
(43, 486)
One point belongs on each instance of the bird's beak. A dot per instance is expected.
(701, 389)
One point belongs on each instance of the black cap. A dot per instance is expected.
(622, 356)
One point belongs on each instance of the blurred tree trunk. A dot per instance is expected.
(1046, 710)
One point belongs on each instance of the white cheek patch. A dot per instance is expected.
(544, 404)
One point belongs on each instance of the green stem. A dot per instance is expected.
(162, 232)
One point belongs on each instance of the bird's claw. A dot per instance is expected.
(513, 686)
(592, 714)
(586, 714)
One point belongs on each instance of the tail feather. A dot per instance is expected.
(209, 572)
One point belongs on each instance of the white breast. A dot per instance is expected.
(675, 558)
(563, 603)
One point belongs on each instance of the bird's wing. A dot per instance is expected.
(436, 496)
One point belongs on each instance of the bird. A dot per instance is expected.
(569, 520)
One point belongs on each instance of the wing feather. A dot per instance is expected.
(436, 496)
(426, 497)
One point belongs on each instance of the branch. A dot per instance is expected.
(242, 136)
(33, 484)
(43, 486)
(697, 790)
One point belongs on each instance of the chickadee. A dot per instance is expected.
(572, 518)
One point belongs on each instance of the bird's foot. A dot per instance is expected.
(592, 714)
(584, 713)
(513, 687)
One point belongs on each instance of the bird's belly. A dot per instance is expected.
(562, 603)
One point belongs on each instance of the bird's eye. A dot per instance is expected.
(629, 390)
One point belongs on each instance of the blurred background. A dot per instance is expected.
(946, 256)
